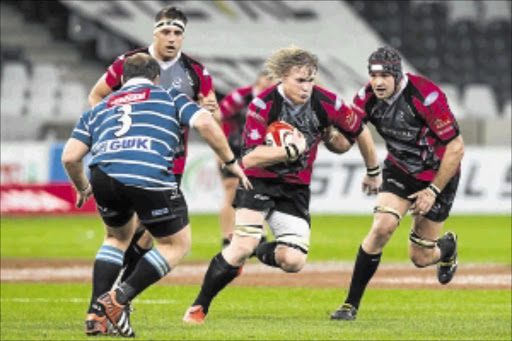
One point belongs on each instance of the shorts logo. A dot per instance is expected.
(397, 184)
(159, 212)
(126, 143)
(261, 197)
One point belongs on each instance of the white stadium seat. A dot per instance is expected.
(479, 101)
(73, 101)
(14, 84)
(463, 10)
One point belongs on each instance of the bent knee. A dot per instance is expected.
(292, 261)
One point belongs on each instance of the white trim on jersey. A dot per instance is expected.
(83, 132)
(196, 115)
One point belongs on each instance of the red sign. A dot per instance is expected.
(41, 199)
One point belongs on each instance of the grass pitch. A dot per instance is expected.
(38, 311)
(57, 312)
(481, 238)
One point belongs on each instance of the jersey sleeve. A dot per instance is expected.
(187, 110)
(438, 116)
(255, 124)
(342, 117)
(114, 73)
(81, 131)
(359, 102)
(205, 79)
(231, 104)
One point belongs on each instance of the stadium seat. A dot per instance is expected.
(463, 10)
(496, 11)
(73, 101)
(479, 101)
(44, 84)
(14, 85)
(81, 30)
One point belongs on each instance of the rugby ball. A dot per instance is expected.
(278, 134)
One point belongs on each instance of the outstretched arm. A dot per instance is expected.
(99, 92)
(72, 156)
(214, 136)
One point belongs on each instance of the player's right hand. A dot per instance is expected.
(83, 196)
(236, 170)
(299, 140)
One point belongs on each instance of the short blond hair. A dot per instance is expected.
(283, 60)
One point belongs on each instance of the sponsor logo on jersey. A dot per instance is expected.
(176, 83)
(126, 143)
(255, 134)
(128, 97)
(431, 98)
(397, 184)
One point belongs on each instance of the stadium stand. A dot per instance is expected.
(463, 45)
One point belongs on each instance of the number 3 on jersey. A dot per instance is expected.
(125, 120)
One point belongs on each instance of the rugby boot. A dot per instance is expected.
(194, 315)
(347, 312)
(117, 313)
(448, 264)
(98, 325)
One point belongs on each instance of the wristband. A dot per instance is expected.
(230, 162)
(84, 189)
(373, 171)
(434, 189)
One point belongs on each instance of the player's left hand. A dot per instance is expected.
(423, 203)
(209, 102)
(236, 170)
(83, 196)
(371, 184)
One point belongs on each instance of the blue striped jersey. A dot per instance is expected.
(134, 132)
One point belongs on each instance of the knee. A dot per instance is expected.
(292, 262)
(382, 230)
(241, 249)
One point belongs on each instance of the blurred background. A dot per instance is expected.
(53, 52)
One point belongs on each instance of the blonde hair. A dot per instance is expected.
(283, 60)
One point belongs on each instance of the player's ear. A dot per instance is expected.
(156, 80)
(122, 79)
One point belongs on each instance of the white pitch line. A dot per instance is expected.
(460, 279)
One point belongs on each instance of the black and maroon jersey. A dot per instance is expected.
(184, 73)
(323, 109)
(234, 108)
(416, 125)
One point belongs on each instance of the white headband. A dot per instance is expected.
(166, 23)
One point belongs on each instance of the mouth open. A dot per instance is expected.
(380, 91)
(170, 48)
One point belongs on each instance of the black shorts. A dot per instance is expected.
(163, 213)
(397, 182)
(270, 194)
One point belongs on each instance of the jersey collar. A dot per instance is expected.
(137, 81)
(163, 65)
(393, 98)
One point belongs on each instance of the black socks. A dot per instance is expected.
(219, 274)
(364, 269)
